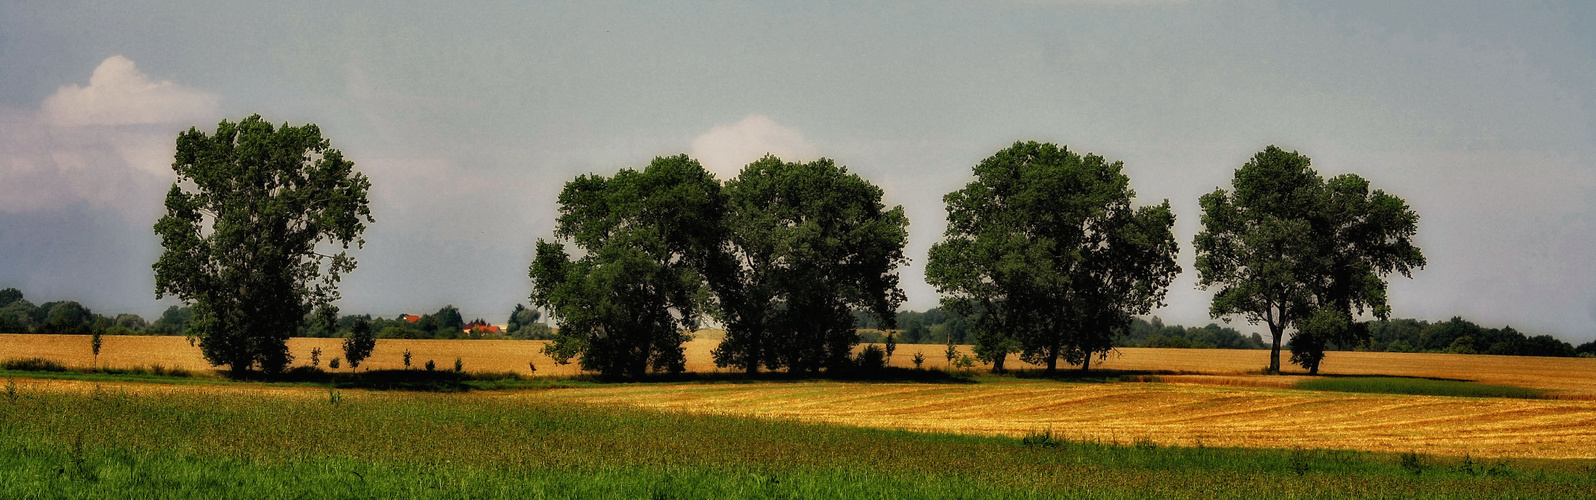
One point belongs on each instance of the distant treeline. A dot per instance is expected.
(446, 323)
(1461, 336)
(1456, 335)
(18, 315)
(932, 326)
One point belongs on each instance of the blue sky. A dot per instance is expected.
(469, 120)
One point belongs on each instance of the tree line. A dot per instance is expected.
(1045, 258)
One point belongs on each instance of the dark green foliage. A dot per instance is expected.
(322, 323)
(872, 358)
(446, 319)
(646, 238)
(359, 344)
(1155, 333)
(525, 324)
(806, 245)
(1289, 249)
(172, 322)
(65, 317)
(262, 237)
(16, 313)
(32, 365)
(1419, 387)
(1586, 349)
(1458, 336)
(132, 322)
(1047, 247)
(95, 342)
(933, 326)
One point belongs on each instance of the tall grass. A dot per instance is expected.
(1419, 386)
(202, 443)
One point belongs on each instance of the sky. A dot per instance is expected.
(469, 120)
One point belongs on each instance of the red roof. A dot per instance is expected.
(410, 317)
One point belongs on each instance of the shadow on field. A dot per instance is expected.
(879, 375)
(452, 381)
(1097, 375)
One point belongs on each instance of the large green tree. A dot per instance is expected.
(1288, 249)
(1047, 252)
(806, 244)
(256, 235)
(646, 238)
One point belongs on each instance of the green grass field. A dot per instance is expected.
(1419, 386)
(219, 442)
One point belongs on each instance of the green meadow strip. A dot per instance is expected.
(1418, 386)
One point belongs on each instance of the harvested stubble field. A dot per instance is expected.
(1194, 396)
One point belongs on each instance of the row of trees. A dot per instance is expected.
(780, 255)
(1045, 255)
(18, 315)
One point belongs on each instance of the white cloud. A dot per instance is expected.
(726, 149)
(108, 145)
(119, 94)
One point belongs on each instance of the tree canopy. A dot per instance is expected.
(1045, 250)
(256, 235)
(1288, 249)
(806, 244)
(646, 238)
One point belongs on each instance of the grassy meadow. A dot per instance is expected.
(86, 439)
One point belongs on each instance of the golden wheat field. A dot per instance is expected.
(1166, 414)
(1571, 378)
(1207, 396)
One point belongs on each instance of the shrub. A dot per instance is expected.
(315, 357)
(407, 359)
(431, 366)
(965, 362)
(872, 358)
(919, 359)
(333, 363)
(33, 365)
(458, 365)
(1042, 439)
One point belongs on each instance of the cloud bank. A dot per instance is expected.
(120, 94)
(726, 149)
(108, 145)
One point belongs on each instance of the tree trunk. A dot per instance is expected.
(1087, 364)
(1275, 330)
(753, 357)
(1052, 360)
(997, 363)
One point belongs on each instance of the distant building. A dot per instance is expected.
(410, 318)
(480, 327)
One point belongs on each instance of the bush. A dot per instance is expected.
(33, 365)
(872, 358)
(431, 366)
